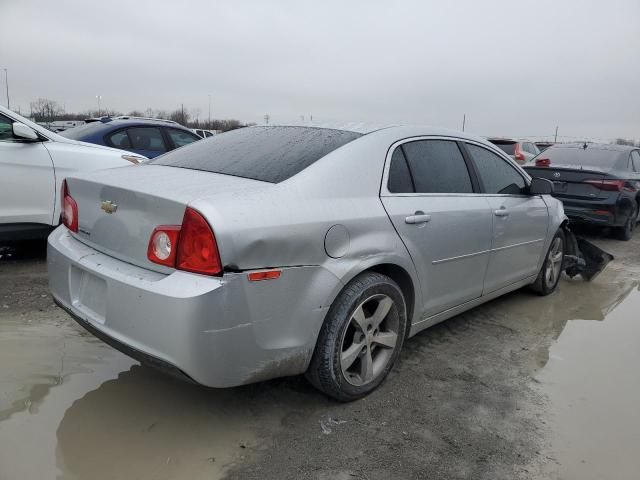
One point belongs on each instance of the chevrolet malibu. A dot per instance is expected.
(280, 250)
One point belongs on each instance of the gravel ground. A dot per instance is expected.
(506, 390)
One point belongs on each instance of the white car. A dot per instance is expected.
(33, 163)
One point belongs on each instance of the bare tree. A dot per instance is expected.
(45, 110)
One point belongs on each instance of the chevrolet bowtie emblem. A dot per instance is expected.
(108, 206)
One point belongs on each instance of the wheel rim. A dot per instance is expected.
(554, 262)
(369, 340)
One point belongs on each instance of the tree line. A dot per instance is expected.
(47, 110)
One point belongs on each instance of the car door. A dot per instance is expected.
(27, 182)
(520, 221)
(432, 199)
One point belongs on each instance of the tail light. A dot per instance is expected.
(69, 209)
(609, 185)
(518, 155)
(191, 247)
(163, 245)
(543, 162)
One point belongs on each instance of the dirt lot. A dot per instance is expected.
(522, 387)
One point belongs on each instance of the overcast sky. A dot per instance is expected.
(514, 67)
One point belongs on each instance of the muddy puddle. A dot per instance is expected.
(592, 380)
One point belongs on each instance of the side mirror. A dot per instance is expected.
(540, 186)
(22, 131)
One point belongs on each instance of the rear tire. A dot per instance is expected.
(551, 270)
(360, 339)
(625, 232)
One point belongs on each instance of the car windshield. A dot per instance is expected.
(269, 154)
(81, 131)
(577, 155)
(506, 146)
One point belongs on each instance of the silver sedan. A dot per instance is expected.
(274, 251)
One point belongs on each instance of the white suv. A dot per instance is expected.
(33, 163)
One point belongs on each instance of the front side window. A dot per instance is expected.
(146, 138)
(496, 174)
(437, 166)
(6, 129)
(180, 138)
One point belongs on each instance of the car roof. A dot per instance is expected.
(596, 146)
(128, 122)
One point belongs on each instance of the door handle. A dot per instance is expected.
(417, 218)
(502, 212)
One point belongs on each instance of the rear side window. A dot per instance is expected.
(269, 154)
(437, 166)
(119, 139)
(146, 138)
(496, 174)
(635, 161)
(399, 176)
(180, 138)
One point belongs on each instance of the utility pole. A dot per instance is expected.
(555, 138)
(464, 120)
(209, 124)
(266, 119)
(99, 97)
(6, 82)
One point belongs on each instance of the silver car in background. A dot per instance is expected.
(274, 251)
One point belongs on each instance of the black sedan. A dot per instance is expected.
(597, 183)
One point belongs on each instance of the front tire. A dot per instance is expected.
(360, 339)
(551, 270)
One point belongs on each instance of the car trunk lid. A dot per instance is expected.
(573, 182)
(119, 209)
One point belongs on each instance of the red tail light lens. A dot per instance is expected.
(163, 245)
(543, 162)
(608, 185)
(518, 153)
(69, 209)
(191, 246)
(197, 247)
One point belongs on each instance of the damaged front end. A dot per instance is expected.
(583, 257)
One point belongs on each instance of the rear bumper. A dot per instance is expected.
(220, 332)
(611, 213)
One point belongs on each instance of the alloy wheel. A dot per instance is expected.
(369, 340)
(554, 262)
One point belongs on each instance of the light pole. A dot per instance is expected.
(6, 82)
(99, 97)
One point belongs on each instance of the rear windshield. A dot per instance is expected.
(506, 146)
(588, 157)
(82, 131)
(269, 154)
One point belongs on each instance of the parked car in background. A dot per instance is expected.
(202, 272)
(33, 163)
(542, 146)
(598, 184)
(520, 150)
(144, 136)
(203, 133)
